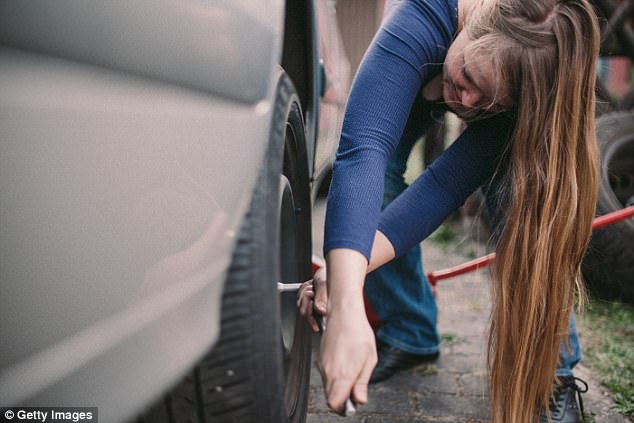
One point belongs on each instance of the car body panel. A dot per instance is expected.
(111, 194)
(131, 136)
(194, 44)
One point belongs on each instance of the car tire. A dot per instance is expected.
(627, 103)
(259, 370)
(609, 264)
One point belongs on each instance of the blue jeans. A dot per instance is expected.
(399, 291)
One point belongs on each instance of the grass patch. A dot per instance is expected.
(589, 418)
(451, 339)
(607, 332)
(451, 236)
(446, 235)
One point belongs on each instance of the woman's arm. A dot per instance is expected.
(407, 51)
(382, 252)
(312, 297)
(408, 220)
(348, 351)
(349, 334)
(466, 165)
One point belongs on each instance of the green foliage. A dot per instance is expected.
(589, 418)
(445, 235)
(607, 331)
(451, 339)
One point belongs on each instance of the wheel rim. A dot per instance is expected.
(288, 263)
(289, 273)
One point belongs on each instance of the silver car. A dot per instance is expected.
(158, 164)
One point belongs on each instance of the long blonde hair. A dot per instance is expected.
(545, 50)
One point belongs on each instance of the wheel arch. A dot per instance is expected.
(296, 167)
(300, 61)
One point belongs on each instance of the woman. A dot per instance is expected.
(522, 74)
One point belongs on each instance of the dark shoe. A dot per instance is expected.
(563, 405)
(392, 360)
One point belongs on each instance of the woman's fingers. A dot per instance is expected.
(321, 291)
(360, 389)
(312, 298)
(338, 393)
(305, 296)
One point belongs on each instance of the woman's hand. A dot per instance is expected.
(347, 357)
(348, 350)
(312, 298)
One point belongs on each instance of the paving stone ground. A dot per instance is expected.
(453, 389)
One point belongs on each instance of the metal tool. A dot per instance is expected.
(350, 408)
(289, 287)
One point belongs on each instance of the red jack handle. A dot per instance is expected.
(481, 262)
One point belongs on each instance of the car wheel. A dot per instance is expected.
(609, 264)
(259, 370)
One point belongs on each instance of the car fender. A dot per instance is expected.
(193, 44)
(121, 198)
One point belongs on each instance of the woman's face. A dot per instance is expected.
(470, 85)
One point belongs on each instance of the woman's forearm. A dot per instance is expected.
(346, 270)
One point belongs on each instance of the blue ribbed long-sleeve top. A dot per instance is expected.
(407, 51)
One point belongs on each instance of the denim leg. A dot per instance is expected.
(399, 291)
(570, 351)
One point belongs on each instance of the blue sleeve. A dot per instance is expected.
(408, 50)
(468, 163)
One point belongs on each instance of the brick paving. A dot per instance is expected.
(453, 389)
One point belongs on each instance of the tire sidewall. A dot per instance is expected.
(267, 346)
(609, 264)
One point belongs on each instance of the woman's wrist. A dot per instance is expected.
(346, 294)
(346, 271)
(346, 303)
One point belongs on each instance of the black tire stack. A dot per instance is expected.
(608, 267)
